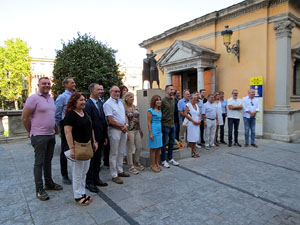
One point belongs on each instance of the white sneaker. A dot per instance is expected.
(198, 146)
(174, 163)
(165, 164)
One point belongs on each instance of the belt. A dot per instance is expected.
(210, 119)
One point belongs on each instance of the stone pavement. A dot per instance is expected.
(223, 186)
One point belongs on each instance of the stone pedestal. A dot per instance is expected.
(143, 104)
(282, 125)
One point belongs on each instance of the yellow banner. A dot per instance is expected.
(256, 81)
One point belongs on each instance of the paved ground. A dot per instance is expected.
(223, 186)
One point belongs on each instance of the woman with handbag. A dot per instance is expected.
(81, 141)
(193, 114)
(135, 134)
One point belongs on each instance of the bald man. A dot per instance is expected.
(250, 109)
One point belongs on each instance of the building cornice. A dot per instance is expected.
(222, 15)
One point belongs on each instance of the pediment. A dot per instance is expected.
(181, 51)
(180, 54)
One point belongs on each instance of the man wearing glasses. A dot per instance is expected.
(117, 133)
(233, 114)
(250, 108)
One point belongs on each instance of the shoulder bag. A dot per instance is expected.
(84, 151)
(186, 121)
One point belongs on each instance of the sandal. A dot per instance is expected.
(87, 197)
(195, 155)
(160, 168)
(140, 166)
(133, 170)
(82, 201)
(154, 169)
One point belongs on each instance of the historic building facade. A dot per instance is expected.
(40, 67)
(193, 55)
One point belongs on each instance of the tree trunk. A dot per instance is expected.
(16, 105)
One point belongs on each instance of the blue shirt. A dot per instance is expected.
(95, 102)
(61, 104)
(224, 104)
(209, 110)
(181, 107)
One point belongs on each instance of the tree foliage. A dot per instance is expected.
(14, 69)
(87, 61)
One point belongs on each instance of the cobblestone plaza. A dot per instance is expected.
(223, 186)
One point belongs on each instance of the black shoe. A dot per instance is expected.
(66, 180)
(42, 195)
(100, 183)
(229, 145)
(92, 188)
(237, 144)
(246, 145)
(53, 186)
(254, 145)
(223, 142)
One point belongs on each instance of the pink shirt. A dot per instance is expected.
(42, 118)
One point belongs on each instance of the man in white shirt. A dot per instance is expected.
(209, 114)
(250, 108)
(117, 133)
(235, 106)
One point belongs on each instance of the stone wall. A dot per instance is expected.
(16, 128)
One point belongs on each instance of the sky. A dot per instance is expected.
(121, 24)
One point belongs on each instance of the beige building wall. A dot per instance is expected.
(253, 24)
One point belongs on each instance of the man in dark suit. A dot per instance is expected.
(94, 108)
(106, 149)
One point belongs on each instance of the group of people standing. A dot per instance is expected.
(202, 118)
(100, 122)
(114, 124)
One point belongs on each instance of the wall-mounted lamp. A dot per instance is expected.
(235, 49)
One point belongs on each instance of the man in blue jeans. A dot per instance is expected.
(250, 108)
(168, 127)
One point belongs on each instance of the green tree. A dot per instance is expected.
(14, 70)
(86, 60)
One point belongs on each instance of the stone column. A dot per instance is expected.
(200, 78)
(169, 78)
(213, 88)
(283, 62)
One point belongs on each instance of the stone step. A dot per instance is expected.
(178, 154)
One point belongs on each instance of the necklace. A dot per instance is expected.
(79, 113)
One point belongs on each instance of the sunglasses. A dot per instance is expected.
(252, 103)
(117, 91)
